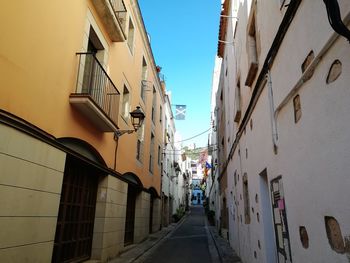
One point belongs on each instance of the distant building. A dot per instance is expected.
(197, 196)
(197, 193)
(212, 189)
(170, 165)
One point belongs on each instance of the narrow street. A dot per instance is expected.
(191, 242)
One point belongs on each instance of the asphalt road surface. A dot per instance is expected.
(189, 243)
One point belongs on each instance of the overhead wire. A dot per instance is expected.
(199, 149)
(194, 136)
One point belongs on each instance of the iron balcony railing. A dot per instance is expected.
(119, 9)
(94, 82)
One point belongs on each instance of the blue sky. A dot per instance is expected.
(184, 36)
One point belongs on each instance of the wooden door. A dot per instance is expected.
(76, 215)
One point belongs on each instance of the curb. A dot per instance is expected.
(225, 251)
(214, 241)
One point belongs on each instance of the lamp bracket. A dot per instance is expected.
(119, 133)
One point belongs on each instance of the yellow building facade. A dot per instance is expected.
(72, 188)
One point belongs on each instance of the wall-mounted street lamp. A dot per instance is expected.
(335, 20)
(137, 118)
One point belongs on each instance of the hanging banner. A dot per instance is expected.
(180, 112)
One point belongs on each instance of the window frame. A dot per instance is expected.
(125, 113)
(131, 36)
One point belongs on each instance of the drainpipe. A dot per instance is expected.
(272, 112)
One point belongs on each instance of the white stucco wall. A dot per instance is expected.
(313, 153)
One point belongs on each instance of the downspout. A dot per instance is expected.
(272, 112)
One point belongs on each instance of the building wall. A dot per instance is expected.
(212, 182)
(308, 151)
(108, 238)
(157, 205)
(41, 72)
(142, 216)
(170, 155)
(31, 174)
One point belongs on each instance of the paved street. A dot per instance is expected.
(188, 243)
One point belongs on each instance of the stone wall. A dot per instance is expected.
(142, 216)
(156, 215)
(108, 238)
(31, 174)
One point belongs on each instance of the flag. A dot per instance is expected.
(207, 165)
(180, 112)
(206, 172)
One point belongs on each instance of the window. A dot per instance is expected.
(131, 34)
(89, 83)
(138, 150)
(246, 199)
(159, 155)
(310, 57)
(252, 48)
(304, 237)
(144, 79)
(297, 108)
(126, 103)
(151, 153)
(334, 234)
(154, 105)
(139, 145)
(238, 102)
(334, 72)
(308, 60)
(144, 69)
(160, 113)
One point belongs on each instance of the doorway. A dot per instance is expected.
(130, 216)
(280, 221)
(269, 240)
(151, 214)
(76, 216)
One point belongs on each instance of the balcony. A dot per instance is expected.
(113, 16)
(96, 96)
